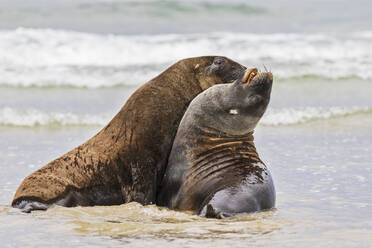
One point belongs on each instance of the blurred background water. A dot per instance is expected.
(67, 67)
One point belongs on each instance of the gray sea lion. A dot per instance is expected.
(126, 160)
(213, 168)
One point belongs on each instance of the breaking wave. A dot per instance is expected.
(35, 118)
(54, 58)
(291, 116)
(169, 8)
(273, 117)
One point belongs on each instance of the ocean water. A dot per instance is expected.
(67, 67)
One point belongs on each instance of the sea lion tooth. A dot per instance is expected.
(246, 75)
(249, 74)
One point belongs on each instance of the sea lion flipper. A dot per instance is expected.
(29, 206)
(223, 215)
(212, 213)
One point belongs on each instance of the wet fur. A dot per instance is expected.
(126, 160)
(214, 169)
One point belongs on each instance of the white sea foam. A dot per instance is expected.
(290, 116)
(34, 118)
(273, 117)
(45, 57)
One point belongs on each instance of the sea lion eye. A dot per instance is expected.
(217, 66)
(219, 61)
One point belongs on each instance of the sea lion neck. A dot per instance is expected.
(218, 134)
(212, 141)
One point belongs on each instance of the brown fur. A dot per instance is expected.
(128, 156)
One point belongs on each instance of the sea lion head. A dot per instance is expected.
(236, 108)
(211, 70)
(253, 90)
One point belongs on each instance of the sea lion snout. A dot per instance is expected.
(262, 78)
(258, 83)
(254, 77)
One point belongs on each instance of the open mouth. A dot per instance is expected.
(249, 74)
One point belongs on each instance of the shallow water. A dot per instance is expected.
(321, 169)
(67, 67)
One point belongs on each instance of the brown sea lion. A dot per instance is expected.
(213, 168)
(126, 160)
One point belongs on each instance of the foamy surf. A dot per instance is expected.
(54, 58)
(35, 118)
(273, 117)
(292, 116)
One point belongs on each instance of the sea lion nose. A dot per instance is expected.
(269, 75)
(249, 74)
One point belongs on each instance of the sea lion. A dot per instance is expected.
(213, 168)
(126, 160)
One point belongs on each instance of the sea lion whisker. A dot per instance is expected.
(265, 68)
